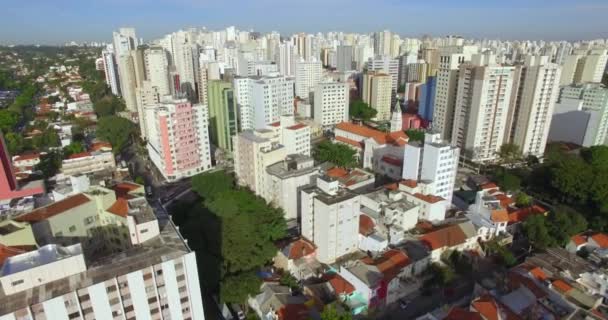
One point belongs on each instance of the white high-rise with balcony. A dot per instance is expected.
(331, 103)
(482, 107)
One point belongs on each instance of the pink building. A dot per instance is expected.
(411, 121)
(9, 189)
(178, 138)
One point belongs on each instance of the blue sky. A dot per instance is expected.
(57, 21)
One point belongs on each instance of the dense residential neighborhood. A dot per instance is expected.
(233, 174)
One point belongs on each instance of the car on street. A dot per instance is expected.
(403, 304)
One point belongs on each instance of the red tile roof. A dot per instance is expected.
(519, 215)
(124, 188)
(275, 124)
(504, 200)
(350, 142)
(100, 145)
(366, 225)
(488, 186)
(390, 263)
(561, 286)
(336, 172)
(340, 285)
(26, 156)
(578, 239)
(297, 126)
(538, 273)
(516, 280)
(120, 207)
(409, 183)
(10, 251)
(397, 137)
(601, 239)
(448, 236)
(487, 307)
(79, 155)
(458, 313)
(428, 198)
(392, 161)
(299, 249)
(294, 312)
(54, 209)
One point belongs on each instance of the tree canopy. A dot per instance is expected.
(361, 110)
(339, 154)
(509, 154)
(235, 230)
(330, 313)
(415, 135)
(116, 130)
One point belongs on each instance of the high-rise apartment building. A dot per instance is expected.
(584, 66)
(330, 218)
(482, 107)
(331, 103)
(287, 59)
(223, 114)
(111, 70)
(344, 58)
(377, 93)
(445, 94)
(157, 69)
(178, 138)
(308, 74)
(535, 92)
(433, 160)
(263, 100)
(386, 65)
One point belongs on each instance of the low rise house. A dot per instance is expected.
(591, 241)
(459, 236)
(276, 302)
(87, 162)
(298, 257)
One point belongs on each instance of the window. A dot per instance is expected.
(18, 282)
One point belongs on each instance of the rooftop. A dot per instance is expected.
(293, 166)
(54, 209)
(167, 246)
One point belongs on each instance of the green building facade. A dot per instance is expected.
(223, 114)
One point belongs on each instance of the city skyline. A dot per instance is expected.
(68, 20)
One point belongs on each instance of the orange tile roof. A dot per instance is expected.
(124, 188)
(516, 280)
(428, 198)
(538, 273)
(350, 142)
(579, 239)
(519, 215)
(601, 239)
(391, 186)
(390, 263)
(100, 145)
(397, 137)
(487, 307)
(409, 183)
(458, 313)
(120, 207)
(366, 225)
(299, 249)
(561, 286)
(449, 236)
(336, 172)
(54, 209)
(340, 285)
(504, 200)
(500, 215)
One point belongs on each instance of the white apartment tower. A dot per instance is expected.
(178, 138)
(157, 69)
(331, 103)
(286, 59)
(434, 160)
(384, 64)
(330, 218)
(584, 66)
(533, 100)
(482, 107)
(445, 93)
(263, 100)
(111, 70)
(308, 75)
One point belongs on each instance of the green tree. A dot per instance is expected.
(537, 232)
(139, 180)
(48, 139)
(330, 313)
(508, 182)
(361, 110)
(523, 200)
(238, 287)
(50, 164)
(115, 130)
(108, 106)
(289, 281)
(571, 176)
(339, 154)
(415, 135)
(564, 223)
(596, 156)
(8, 120)
(509, 154)
(210, 184)
(73, 148)
(14, 143)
